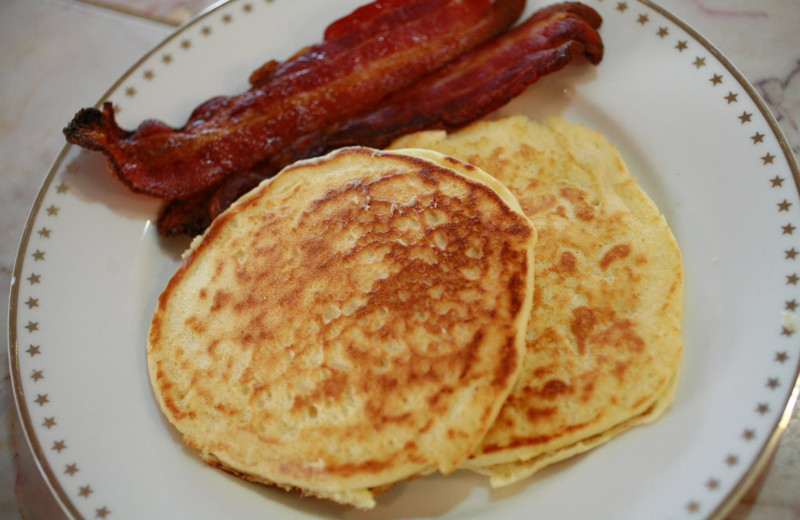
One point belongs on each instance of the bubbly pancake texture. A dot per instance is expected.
(604, 340)
(356, 320)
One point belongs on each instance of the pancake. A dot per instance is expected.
(357, 320)
(604, 339)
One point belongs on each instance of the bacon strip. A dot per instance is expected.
(588, 14)
(371, 18)
(193, 215)
(452, 98)
(365, 22)
(449, 98)
(327, 82)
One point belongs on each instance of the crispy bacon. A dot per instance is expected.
(449, 98)
(588, 14)
(193, 215)
(365, 22)
(452, 98)
(376, 16)
(327, 82)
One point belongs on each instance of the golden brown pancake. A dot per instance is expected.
(357, 320)
(604, 341)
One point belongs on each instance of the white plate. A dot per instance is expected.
(703, 145)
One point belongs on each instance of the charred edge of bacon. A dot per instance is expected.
(87, 122)
(177, 163)
(90, 129)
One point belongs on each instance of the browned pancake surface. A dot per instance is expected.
(357, 320)
(604, 339)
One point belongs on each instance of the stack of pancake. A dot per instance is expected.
(371, 316)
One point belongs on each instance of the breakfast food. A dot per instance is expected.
(547, 41)
(356, 320)
(322, 84)
(388, 68)
(473, 86)
(604, 341)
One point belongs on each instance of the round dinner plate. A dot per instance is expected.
(692, 130)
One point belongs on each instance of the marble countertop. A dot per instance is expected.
(56, 55)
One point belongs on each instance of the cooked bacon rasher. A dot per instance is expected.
(372, 53)
(478, 83)
(471, 87)
(388, 68)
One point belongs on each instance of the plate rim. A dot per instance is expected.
(732, 498)
(767, 451)
(49, 476)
